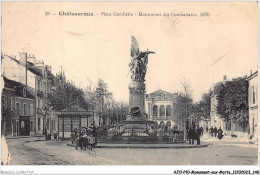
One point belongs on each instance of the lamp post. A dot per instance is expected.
(45, 126)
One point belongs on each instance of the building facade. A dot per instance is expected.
(39, 82)
(18, 109)
(253, 105)
(215, 121)
(159, 107)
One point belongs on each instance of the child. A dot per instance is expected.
(91, 141)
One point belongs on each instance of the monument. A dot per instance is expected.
(136, 121)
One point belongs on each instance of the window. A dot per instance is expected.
(162, 110)
(25, 109)
(45, 88)
(12, 103)
(17, 108)
(4, 102)
(39, 102)
(39, 85)
(253, 94)
(31, 125)
(24, 92)
(39, 124)
(155, 110)
(31, 109)
(168, 110)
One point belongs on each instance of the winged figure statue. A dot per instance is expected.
(139, 61)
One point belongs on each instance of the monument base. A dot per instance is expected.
(134, 127)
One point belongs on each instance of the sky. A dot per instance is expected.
(198, 49)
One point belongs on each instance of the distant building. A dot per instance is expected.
(253, 105)
(216, 120)
(159, 107)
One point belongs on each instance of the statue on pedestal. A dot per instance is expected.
(139, 61)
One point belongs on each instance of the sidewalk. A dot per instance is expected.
(18, 137)
(145, 145)
(208, 138)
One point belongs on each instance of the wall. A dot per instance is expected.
(13, 70)
(7, 113)
(253, 106)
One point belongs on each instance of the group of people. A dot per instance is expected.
(216, 132)
(84, 138)
(195, 134)
(165, 131)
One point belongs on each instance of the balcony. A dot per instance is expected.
(40, 93)
(39, 110)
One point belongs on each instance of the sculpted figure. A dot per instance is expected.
(139, 61)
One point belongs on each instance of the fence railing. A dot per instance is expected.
(135, 136)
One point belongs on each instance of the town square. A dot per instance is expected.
(106, 89)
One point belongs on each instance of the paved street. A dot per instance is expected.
(33, 151)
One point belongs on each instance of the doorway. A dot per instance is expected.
(24, 126)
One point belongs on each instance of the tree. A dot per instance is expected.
(183, 105)
(233, 101)
(204, 105)
(67, 96)
(101, 94)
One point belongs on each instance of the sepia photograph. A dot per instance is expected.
(129, 83)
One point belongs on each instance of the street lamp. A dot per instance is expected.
(45, 126)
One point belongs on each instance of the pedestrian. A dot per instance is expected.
(191, 134)
(211, 131)
(76, 142)
(198, 134)
(202, 130)
(85, 142)
(91, 142)
(72, 137)
(215, 131)
(220, 133)
(175, 135)
(207, 129)
(81, 141)
(94, 130)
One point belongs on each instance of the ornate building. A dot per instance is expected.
(159, 106)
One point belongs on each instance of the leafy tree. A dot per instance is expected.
(204, 105)
(101, 97)
(67, 96)
(102, 101)
(233, 101)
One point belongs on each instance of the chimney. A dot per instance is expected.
(31, 58)
(48, 68)
(23, 58)
(224, 79)
(23, 61)
(251, 72)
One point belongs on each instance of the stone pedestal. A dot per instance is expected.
(137, 95)
(136, 124)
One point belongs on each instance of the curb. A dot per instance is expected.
(253, 142)
(147, 146)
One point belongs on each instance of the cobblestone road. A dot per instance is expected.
(32, 151)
